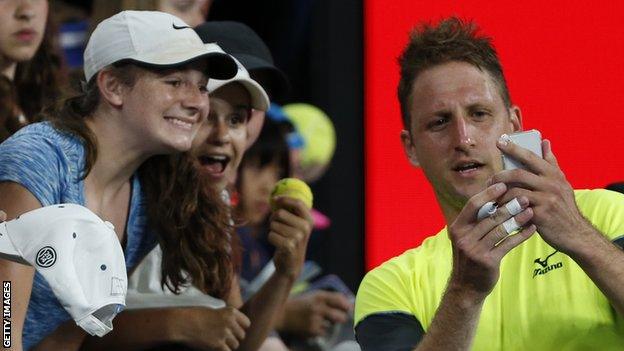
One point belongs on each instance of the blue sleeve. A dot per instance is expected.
(36, 161)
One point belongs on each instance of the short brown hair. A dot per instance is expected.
(451, 40)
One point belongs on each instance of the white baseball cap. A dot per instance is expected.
(259, 98)
(151, 38)
(80, 257)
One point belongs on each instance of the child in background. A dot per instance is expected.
(307, 315)
(266, 162)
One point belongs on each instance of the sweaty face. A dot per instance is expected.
(22, 25)
(457, 114)
(165, 109)
(221, 140)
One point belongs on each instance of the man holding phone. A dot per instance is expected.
(558, 283)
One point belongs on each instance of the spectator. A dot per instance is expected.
(29, 64)
(137, 104)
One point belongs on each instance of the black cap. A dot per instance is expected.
(240, 41)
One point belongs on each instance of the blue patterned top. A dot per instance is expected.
(49, 163)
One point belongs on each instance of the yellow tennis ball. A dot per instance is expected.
(292, 187)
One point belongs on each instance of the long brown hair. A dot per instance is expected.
(190, 220)
(9, 111)
(39, 81)
(197, 238)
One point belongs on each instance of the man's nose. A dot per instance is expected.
(464, 133)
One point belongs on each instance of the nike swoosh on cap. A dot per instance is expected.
(179, 27)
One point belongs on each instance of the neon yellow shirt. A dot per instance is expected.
(542, 301)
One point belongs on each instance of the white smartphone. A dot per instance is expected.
(530, 140)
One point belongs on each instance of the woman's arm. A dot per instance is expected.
(15, 200)
(198, 327)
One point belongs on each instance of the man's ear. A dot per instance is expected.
(515, 116)
(408, 147)
(110, 87)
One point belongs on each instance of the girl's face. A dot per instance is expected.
(221, 140)
(22, 25)
(255, 189)
(164, 110)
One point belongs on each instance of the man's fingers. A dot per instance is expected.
(504, 229)
(532, 161)
(521, 177)
(548, 154)
(2, 216)
(469, 213)
(514, 240)
(502, 214)
(517, 193)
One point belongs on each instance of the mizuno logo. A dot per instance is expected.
(544, 264)
(179, 27)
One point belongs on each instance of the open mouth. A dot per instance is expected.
(468, 167)
(214, 164)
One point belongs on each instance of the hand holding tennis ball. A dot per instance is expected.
(292, 187)
(290, 225)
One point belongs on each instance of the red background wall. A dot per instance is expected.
(564, 62)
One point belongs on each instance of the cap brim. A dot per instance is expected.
(259, 98)
(7, 249)
(220, 65)
(270, 77)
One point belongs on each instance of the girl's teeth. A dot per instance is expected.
(180, 123)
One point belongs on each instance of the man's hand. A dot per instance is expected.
(291, 225)
(311, 314)
(2, 216)
(479, 246)
(220, 329)
(549, 193)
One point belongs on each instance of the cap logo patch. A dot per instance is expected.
(46, 257)
(117, 287)
(179, 27)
